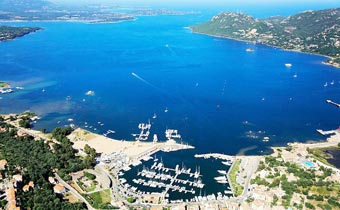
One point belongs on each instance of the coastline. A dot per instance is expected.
(326, 62)
(135, 150)
(66, 21)
(33, 30)
(241, 180)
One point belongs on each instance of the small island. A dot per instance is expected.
(310, 31)
(4, 85)
(9, 33)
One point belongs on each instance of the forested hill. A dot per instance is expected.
(308, 31)
(8, 33)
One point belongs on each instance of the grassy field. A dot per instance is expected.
(238, 189)
(87, 188)
(100, 198)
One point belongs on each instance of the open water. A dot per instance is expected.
(220, 97)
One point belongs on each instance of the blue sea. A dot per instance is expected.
(220, 97)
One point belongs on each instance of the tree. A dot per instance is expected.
(309, 205)
(24, 123)
(90, 151)
(60, 133)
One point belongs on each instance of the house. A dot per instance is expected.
(51, 180)
(17, 177)
(27, 186)
(2, 129)
(59, 188)
(21, 133)
(10, 194)
(3, 164)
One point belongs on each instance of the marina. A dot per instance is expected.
(144, 132)
(154, 176)
(108, 132)
(216, 156)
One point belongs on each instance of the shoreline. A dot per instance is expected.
(132, 152)
(66, 21)
(135, 150)
(289, 50)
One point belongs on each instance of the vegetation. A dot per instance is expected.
(87, 188)
(100, 200)
(309, 31)
(238, 189)
(7, 33)
(36, 162)
(318, 190)
(24, 123)
(321, 155)
(89, 175)
(3, 84)
(131, 199)
(60, 133)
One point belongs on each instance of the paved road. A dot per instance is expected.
(250, 165)
(74, 192)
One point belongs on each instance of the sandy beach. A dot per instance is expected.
(105, 145)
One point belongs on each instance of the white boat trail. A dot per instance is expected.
(143, 80)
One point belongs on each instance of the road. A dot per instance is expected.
(74, 192)
(248, 167)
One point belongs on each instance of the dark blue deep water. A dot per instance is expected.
(215, 91)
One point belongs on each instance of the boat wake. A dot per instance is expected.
(143, 80)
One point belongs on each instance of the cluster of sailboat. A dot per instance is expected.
(144, 131)
(223, 179)
(159, 176)
(172, 134)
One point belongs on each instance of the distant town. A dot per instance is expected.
(40, 10)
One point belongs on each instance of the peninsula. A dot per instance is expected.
(9, 33)
(45, 10)
(309, 31)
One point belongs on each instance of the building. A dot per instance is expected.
(3, 164)
(21, 133)
(59, 188)
(27, 186)
(10, 194)
(17, 177)
(51, 180)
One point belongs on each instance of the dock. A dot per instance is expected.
(215, 155)
(324, 133)
(333, 103)
(144, 131)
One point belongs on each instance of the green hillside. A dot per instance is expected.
(309, 31)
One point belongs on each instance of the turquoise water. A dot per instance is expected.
(309, 164)
(219, 97)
